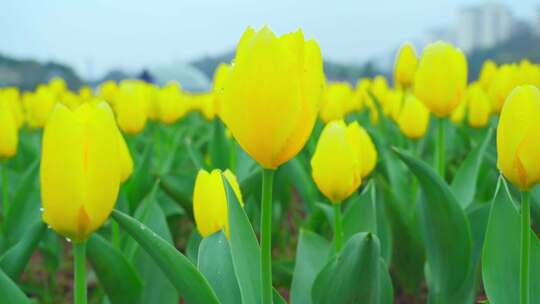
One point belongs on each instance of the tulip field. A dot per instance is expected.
(277, 185)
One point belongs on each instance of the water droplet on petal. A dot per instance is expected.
(68, 240)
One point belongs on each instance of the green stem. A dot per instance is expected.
(415, 150)
(5, 203)
(440, 147)
(266, 236)
(115, 234)
(79, 262)
(338, 227)
(525, 247)
(157, 145)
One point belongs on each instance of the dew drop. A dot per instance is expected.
(41, 209)
(68, 240)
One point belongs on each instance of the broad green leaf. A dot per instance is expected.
(384, 232)
(24, 207)
(215, 263)
(180, 189)
(10, 292)
(140, 183)
(189, 282)
(245, 250)
(13, 261)
(360, 215)
(218, 146)
(277, 298)
(192, 247)
(352, 276)
(386, 295)
(311, 255)
(501, 253)
(444, 229)
(117, 276)
(302, 182)
(465, 180)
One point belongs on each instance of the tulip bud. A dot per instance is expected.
(405, 66)
(488, 71)
(458, 114)
(40, 106)
(336, 99)
(131, 105)
(364, 148)
(518, 137)
(335, 165)
(441, 78)
(167, 101)
(271, 97)
(379, 88)
(9, 137)
(108, 91)
(413, 119)
(479, 107)
(502, 84)
(80, 169)
(220, 76)
(210, 201)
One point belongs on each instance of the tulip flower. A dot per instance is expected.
(502, 84)
(336, 99)
(518, 148)
(336, 167)
(413, 119)
(39, 106)
(458, 114)
(220, 76)
(108, 91)
(379, 88)
(440, 82)
(405, 66)
(8, 131)
(270, 102)
(210, 201)
(131, 106)
(488, 71)
(167, 101)
(479, 107)
(364, 148)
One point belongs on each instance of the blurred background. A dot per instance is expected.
(90, 41)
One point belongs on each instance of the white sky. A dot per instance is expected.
(97, 35)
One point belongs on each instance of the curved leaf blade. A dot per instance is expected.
(13, 261)
(10, 291)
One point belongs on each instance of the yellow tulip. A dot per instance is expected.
(108, 91)
(379, 88)
(85, 93)
(131, 106)
(335, 165)
(488, 71)
(8, 131)
(80, 169)
(413, 119)
(458, 114)
(220, 76)
(393, 103)
(479, 107)
(204, 103)
(58, 86)
(12, 97)
(40, 106)
(441, 78)
(210, 201)
(71, 100)
(336, 99)
(502, 84)
(364, 148)
(167, 100)
(271, 97)
(518, 137)
(405, 66)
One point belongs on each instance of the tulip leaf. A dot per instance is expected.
(140, 183)
(10, 291)
(245, 250)
(24, 207)
(501, 253)
(386, 295)
(311, 255)
(179, 188)
(302, 182)
(117, 276)
(351, 276)
(444, 229)
(192, 247)
(277, 298)
(215, 263)
(218, 145)
(185, 277)
(360, 215)
(465, 180)
(14, 260)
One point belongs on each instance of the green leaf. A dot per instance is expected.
(140, 183)
(180, 189)
(302, 182)
(13, 261)
(352, 276)
(189, 282)
(311, 255)
(192, 247)
(215, 263)
(117, 276)
(360, 215)
(501, 253)
(277, 298)
(218, 146)
(245, 250)
(387, 290)
(465, 180)
(10, 291)
(444, 229)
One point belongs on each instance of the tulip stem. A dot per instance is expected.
(440, 147)
(5, 203)
(266, 236)
(525, 247)
(79, 263)
(338, 227)
(115, 234)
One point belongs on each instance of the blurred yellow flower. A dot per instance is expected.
(364, 148)
(220, 76)
(80, 169)
(502, 84)
(488, 71)
(335, 166)
(441, 78)
(167, 101)
(413, 118)
(271, 97)
(9, 135)
(405, 66)
(39, 106)
(210, 201)
(336, 99)
(478, 107)
(518, 137)
(131, 106)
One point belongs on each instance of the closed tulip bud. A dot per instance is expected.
(335, 165)
(40, 107)
(8, 131)
(413, 119)
(131, 105)
(336, 99)
(405, 66)
(167, 101)
(85, 93)
(379, 88)
(458, 114)
(364, 148)
(108, 91)
(210, 201)
(479, 107)
(12, 97)
(271, 98)
(488, 71)
(441, 78)
(502, 84)
(58, 86)
(80, 169)
(392, 106)
(220, 76)
(518, 137)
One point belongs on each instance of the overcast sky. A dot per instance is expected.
(97, 35)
